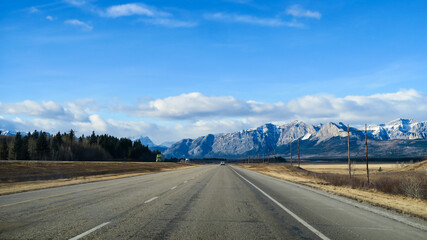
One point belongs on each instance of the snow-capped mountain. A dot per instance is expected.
(401, 129)
(13, 133)
(7, 132)
(270, 137)
(152, 146)
(144, 141)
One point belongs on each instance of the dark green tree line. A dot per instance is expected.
(66, 146)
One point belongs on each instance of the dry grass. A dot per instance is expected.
(360, 191)
(357, 169)
(19, 176)
(360, 169)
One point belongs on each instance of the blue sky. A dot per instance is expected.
(177, 69)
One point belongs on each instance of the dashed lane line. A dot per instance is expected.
(151, 199)
(89, 231)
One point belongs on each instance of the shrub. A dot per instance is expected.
(414, 186)
(387, 184)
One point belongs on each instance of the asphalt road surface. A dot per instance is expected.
(208, 202)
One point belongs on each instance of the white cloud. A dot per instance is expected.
(167, 22)
(31, 108)
(75, 22)
(129, 10)
(193, 106)
(78, 110)
(194, 114)
(34, 10)
(360, 109)
(77, 3)
(271, 22)
(299, 12)
(316, 108)
(95, 123)
(148, 14)
(50, 18)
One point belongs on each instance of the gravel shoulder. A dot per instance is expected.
(401, 204)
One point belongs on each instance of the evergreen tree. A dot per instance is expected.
(93, 138)
(35, 135)
(17, 146)
(122, 148)
(72, 136)
(20, 147)
(42, 146)
(4, 150)
(24, 150)
(56, 142)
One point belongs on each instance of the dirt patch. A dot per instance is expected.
(403, 204)
(19, 176)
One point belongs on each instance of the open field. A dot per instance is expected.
(317, 175)
(19, 176)
(356, 169)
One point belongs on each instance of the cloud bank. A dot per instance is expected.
(195, 114)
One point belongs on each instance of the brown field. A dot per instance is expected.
(358, 169)
(388, 188)
(19, 176)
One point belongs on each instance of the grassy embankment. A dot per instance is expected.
(399, 187)
(20, 176)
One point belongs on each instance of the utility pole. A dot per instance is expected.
(298, 154)
(274, 158)
(366, 150)
(349, 161)
(291, 153)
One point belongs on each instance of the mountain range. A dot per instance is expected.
(400, 137)
(147, 142)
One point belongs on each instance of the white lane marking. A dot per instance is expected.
(89, 231)
(151, 199)
(173, 187)
(311, 228)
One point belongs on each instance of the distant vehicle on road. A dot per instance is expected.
(160, 158)
(222, 163)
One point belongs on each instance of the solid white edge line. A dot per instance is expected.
(370, 208)
(311, 228)
(89, 231)
(151, 199)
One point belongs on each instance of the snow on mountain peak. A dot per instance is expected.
(330, 130)
(270, 136)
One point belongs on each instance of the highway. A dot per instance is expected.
(206, 202)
